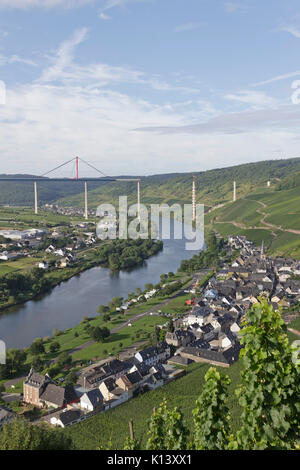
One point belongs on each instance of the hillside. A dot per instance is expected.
(272, 216)
(213, 186)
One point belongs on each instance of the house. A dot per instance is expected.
(179, 337)
(34, 386)
(50, 249)
(43, 265)
(63, 263)
(141, 367)
(208, 331)
(55, 396)
(66, 418)
(115, 368)
(130, 382)
(112, 393)
(154, 381)
(220, 358)
(6, 415)
(198, 315)
(5, 256)
(234, 328)
(92, 400)
(149, 356)
(163, 351)
(158, 369)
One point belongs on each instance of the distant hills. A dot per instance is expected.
(213, 186)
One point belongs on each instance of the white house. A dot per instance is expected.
(91, 400)
(43, 265)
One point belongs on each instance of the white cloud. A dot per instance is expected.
(187, 27)
(4, 60)
(25, 4)
(103, 16)
(254, 98)
(232, 7)
(283, 118)
(109, 4)
(284, 76)
(64, 56)
(292, 30)
(63, 69)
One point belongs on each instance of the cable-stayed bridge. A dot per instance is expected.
(44, 178)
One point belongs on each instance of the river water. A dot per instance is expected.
(80, 296)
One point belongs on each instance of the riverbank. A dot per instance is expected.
(92, 258)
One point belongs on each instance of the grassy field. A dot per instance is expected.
(20, 218)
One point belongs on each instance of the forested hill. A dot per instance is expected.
(213, 186)
(290, 181)
(21, 193)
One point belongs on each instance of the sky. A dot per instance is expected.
(139, 87)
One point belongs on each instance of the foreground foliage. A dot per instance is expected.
(268, 395)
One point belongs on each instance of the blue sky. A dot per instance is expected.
(148, 86)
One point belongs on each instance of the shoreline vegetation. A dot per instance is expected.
(18, 288)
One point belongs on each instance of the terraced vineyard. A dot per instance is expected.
(272, 216)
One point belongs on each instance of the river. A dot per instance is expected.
(80, 296)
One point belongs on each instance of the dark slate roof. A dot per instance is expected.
(58, 395)
(161, 347)
(180, 360)
(228, 356)
(110, 384)
(115, 367)
(207, 328)
(142, 368)
(95, 396)
(4, 412)
(132, 378)
(68, 416)
(36, 380)
(148, 353)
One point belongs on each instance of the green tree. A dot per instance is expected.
(166, 430)
(37, 347)
(102, 309)
(64, 359)
(21, 435)
(269, 393)
(54, 347)
(211, 415)
(15, 359)
(71, 378)
(37, 363)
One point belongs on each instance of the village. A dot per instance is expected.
(209, 333)
(55, 247)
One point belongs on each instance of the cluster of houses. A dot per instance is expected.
(209, 333)
(18, 243)
(23, 243)
(147, 295)
(102, 387)
(69, 211)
